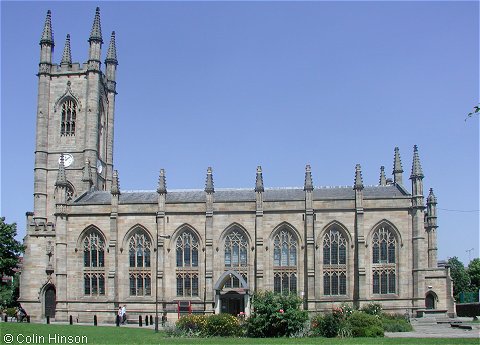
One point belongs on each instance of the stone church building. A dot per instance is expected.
(91, 246)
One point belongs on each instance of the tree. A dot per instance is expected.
(461, 280)
(473, 271)
(10, 248)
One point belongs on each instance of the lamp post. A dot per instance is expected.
(156, 281)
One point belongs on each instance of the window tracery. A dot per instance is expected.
(94, 264)
(187, 246)
(334, 263)
(69, 117)
(140, 264)
(285, 262)
(384, 268)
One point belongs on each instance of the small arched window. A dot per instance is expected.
(334, 263)
(285, 262)
(69, 117)
(94, 264)
(384, 245)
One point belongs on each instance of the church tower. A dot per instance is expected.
(75, 117)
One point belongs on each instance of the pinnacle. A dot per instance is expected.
(416, 166)
(47, 35)
(397, 162)
(112, 51)
(115, 190)
(431, 199)
(67, 54)
(308, 185)
(259, 180)
(96, 33)
(358, 177)
(209, 182)
(61, 178)
(383, 179)
(87, 172)
(162, 184)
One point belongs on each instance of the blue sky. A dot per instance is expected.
(234, 85)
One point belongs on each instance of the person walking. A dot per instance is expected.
(119, 316)
(124, 314)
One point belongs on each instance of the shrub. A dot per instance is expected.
(275, 315)
(191, 324)
(365, 325)
(327, 325)
(11, 312)
(222, 325)
(372, 308)
(395, 323)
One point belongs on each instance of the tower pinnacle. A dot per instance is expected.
(115, 190)
(96, 33)
(112, 51)
(416, 166)
(47, 35)
(67, 54)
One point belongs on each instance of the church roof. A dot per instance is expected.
(242, 195)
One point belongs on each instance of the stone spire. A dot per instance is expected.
(209, 182)
(431, 199)
(162, 183)
(259, 180)
(358, 178)
(87, 174)
(383, 179)
(112, 51)
(416, 167)
(61, 178)
(397, 167)
(67, 54)
(115, 190)
(308, 185)
(47, 35)
(96, 33)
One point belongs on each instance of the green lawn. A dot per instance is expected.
(124, 335)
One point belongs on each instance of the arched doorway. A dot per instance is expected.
(430, 300)
(231, 294)
(50, 301)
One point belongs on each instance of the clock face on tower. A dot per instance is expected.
(99, 166)
(67, 160)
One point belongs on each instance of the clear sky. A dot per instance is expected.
(234, 85)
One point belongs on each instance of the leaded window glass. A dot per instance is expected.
(285, 246)
(187, 250)
(139, 250)
(384, 246)
(334, 263)
(139, 259)
(187, 284)
(69, 117)
(93, 264)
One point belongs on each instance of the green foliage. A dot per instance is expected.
(191, 324)
(327, 325)
(395, 323)
(372, 308)
(222, 325)
(11, 312)
(9, 292)
(275, 315)
(365, 325)
(461, 280)
(10, 249)
(473, 271)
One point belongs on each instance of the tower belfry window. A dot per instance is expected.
(69, 116)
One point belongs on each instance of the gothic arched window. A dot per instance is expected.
(94, 264)
(139, 249)
(384, 276)
(334, 263)
(187, 264)
(69, 117)
(236, 256)
(285, 262)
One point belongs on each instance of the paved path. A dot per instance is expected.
(423, 329)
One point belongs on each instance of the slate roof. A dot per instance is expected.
(242, 195)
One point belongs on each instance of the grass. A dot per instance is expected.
(124, 335)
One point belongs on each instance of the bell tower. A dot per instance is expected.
(75, 118)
